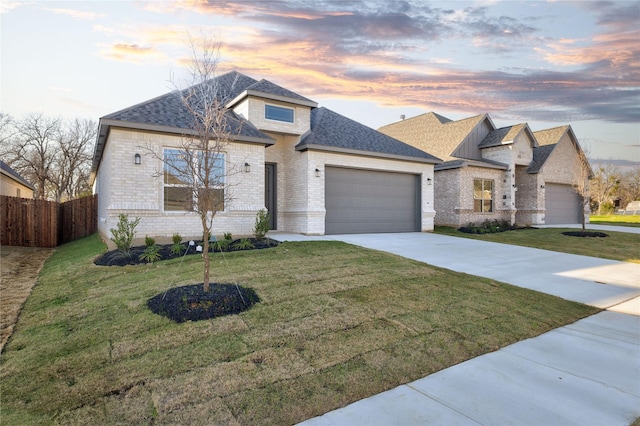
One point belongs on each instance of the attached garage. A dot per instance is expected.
(366, 201)
(562, 204)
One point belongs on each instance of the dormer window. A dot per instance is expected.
(272, 112)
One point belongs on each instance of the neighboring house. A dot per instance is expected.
(496, 174)
(12, 184)
(317, 172)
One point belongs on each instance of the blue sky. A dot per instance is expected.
(547, 63)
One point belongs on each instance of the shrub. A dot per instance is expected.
(228, 236)
(221, 245)
(152, 252)
(124, 234)
(244, 244)
(607, 208)
(177, 246)
(262, 224)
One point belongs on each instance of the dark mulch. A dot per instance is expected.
(116, 258)
(192, 303)
(585, 234)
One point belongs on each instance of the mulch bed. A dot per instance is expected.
(585, 234)
(192, 303)
(116, 258)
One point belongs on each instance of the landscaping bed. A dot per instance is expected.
(117, 258)
(587, 234)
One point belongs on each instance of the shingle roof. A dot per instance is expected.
(540, 155)
(456, 164)
(502, 136)
(433, 132)
(550, 136)
(335, 132)
(8, 171)
(266, 87)
(167, 111)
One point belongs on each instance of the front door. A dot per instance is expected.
(270, 198)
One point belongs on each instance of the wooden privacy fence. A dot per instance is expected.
(39, 223)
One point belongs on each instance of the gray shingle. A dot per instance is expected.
(540, 155)
(332, 130)
(168, 111)
(267, 87)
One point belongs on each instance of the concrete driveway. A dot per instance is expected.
(584, 373)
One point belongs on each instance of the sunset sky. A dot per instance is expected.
(546, 63)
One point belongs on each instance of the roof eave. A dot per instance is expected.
(270, 96)
(325, 148)
(106, 125)
(497, 166)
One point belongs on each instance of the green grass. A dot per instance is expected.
(617, 246)
(617, 220)
(337, 323)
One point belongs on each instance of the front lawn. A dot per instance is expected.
(617, 246)
(617, 220)
(336, 323)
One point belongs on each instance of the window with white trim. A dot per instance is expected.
(272, 112)
(482, 195)
(184, 185)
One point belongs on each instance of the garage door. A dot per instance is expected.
(363, 201)
(562, 204)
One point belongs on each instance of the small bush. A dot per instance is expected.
(244, 244)
(228, 236)
(262, 224)
(124, 234)
(221, 245)
(152, 252)
(177, 246)
(488, 227)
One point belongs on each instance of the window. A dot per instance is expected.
(272, 112)
(482, 195)
(182, 170)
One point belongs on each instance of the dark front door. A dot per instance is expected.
(270, 198)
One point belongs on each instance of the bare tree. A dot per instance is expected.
(629, 188)
(582, 174)
(73, 159)
(198, 169)
(33, 152)
(604, 185)
(53, 155)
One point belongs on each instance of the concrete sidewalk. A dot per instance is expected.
(584, 373)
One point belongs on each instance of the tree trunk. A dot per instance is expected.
(205, 254)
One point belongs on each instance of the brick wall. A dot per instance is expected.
(454, 196)
(137, 190)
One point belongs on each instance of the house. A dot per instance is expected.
(12, 184)
(491, 173)
(316, 171)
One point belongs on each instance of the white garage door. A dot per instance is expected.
(562, 204)
(364, 201)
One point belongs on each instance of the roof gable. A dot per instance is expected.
(436, 134)
(269, 90)
(551, 136)
(334, 132)
(507, 135)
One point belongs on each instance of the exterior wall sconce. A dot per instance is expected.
(317, 172)
(429, 181)
(514, 185)
(137, 159)
(541, 186)
(247, 168)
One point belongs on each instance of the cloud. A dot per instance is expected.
(8, 5)
(131, 53)
(380, 52)
(76, 14)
